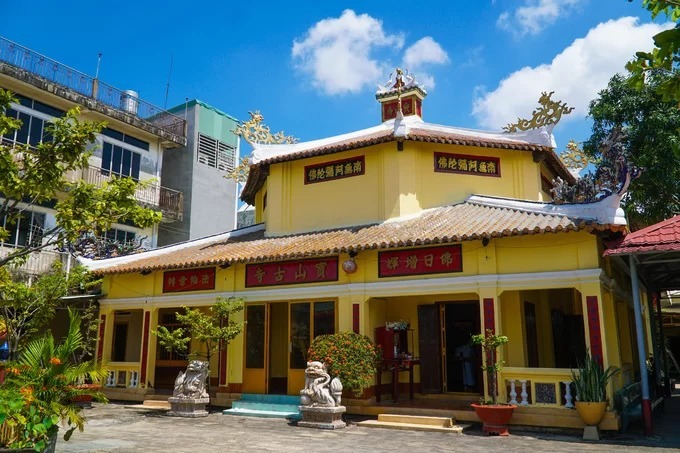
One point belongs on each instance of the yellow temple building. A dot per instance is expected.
(442, 230)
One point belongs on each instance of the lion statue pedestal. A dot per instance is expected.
(320, 399)
(189, 397)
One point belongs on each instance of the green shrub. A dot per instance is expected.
(351, 357)
(591, 380)
(23, 422)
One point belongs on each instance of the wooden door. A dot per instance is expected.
(255, 378)
(429, 341)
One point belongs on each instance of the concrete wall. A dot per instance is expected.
(210, 199)
(177, 174)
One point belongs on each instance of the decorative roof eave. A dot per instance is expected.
(585, 225)
(475, 219)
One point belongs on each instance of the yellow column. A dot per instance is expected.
(105, 341)
(235, 357)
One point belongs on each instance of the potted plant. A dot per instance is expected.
(494, 415)
(590, 382)
(46, 377)
(349, 356)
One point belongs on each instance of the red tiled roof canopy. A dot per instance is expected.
(455, 223)
(660, 237)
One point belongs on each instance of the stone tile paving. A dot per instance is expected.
(113, 428)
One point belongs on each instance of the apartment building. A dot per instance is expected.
(133, 143)
(199, 170)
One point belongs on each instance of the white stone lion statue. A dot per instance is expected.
(320, 390)
(191, 383)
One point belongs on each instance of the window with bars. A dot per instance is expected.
(215, 153)
(26, 231)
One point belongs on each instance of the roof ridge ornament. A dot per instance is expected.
(548, 114)
(254, 131)
(612, 177)
(574, 158)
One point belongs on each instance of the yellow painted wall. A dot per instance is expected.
(395, 183)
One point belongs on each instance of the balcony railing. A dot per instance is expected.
(169, 201)
(37, 263)
(40, 65)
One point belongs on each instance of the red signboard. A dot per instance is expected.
(189, 280)
(430, 260)
(292, 272)
(467, 165)
(337, 169)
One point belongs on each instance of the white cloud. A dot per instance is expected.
(535, 15)
(425, 50)
(576, 75)
(338, 52)
(351, 52)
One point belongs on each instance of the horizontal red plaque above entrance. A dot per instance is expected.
(292, 272)
(429, 260)
(189, 280)
(467, 165)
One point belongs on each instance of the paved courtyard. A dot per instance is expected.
(113, 428)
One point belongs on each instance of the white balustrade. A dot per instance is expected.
(134, 379)
(524, 395)
(513, 392)
(567, 394)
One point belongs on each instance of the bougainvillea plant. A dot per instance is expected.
(349, 356)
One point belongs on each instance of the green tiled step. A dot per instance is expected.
(270, 406)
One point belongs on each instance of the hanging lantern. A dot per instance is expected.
(349, 266)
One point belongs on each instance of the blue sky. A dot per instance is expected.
(311, 68)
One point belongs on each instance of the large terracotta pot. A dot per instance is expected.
(86, 400)
(591, 413)
(495, 417)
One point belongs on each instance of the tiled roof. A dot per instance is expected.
(455, 223)
(660, 237)
(414, 129)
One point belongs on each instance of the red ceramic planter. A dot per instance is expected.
(494, 417)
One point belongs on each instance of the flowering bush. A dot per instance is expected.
(351, 357)
(40, 389)
(24, 423)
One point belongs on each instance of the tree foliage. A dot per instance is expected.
(25, 310)
(665, 56)
(34, 175)
(211, 330)
(652, 142)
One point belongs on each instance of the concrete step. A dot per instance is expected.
(442, 422)
(269, 406)
(150, 405)
(455, 429)
(271, 399)
(263, 413)
(250, 405)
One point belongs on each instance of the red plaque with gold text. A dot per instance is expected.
(292, 272)
(467, 165)
(429, 260)
(337, 169)
(189, 280)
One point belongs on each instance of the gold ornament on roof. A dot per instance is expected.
(574, 157)
(549, 113)
(254, 131)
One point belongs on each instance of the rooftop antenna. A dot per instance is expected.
(95, 82)
(99, 60)
(167, 85)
